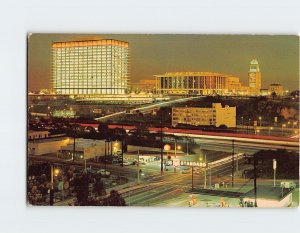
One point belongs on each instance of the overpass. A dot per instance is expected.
(247, 143)
(149, 107)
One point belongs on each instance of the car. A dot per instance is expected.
(134, 163)
(185, 171)
(125, 163)
(103, 172)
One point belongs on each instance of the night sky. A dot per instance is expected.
(278, 56)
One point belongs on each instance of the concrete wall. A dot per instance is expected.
(46, 147)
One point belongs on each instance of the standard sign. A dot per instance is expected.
(176, 162)
(195, 164)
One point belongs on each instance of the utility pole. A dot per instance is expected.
(192, 178)
(52, 186)
(161, 149)
(74, 149)
(232, 165)
(122, 145)
(210, 177)
(105, 153)
(255, 188)
(138, 168)
(274, 168)
(237, 160)
(205, 171)
(122, 153)
(187, 146)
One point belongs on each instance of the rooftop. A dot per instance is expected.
(201, 73)
(84, 43)
(269, 192)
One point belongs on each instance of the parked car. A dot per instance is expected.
(185, 171)
(125, 163)
(103, 172)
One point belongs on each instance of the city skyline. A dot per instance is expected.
(203, 127)
(278, 56)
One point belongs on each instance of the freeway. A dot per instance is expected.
(248, 143)
(149, 107)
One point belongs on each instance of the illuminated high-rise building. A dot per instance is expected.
(254, 75)
(90, 67)
(196, 83)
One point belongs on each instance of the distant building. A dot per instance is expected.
(254, 76)
(90, 67)
(264, 92)
(32, 135)
(233, 84)
(64, 113)
(145, 85)
(45, 146)
(214, 116)
(277, 88)
(196, 83)
(84, 148)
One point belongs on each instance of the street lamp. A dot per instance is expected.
(54, 172)
(270, 128)
(282, 126)
(107, 151)
(260, 121)
(274, 168)
(294, 124)
(248, 126)
(204, 165)
(167, 148)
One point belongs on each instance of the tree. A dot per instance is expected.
(104, 131)
(114, 199)
(287, 163)
(273, 95)
(99, 187)
(118, 134)
(81, 188)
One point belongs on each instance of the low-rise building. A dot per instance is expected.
(45, 146)
(32, 135)
(214, 116)
(84, 148)
(277, 88)
(264, 92)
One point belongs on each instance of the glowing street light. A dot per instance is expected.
(270, 128)
(167, 147)
(54, 172)
(260, 121)
(294, 124)
(282, 126)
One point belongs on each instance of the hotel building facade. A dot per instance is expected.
(90, 67)
(254, 76)
(196, 83)
(214, 116)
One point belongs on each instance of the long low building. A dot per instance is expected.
(196, 83)
(214, 116)
(84, 148)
